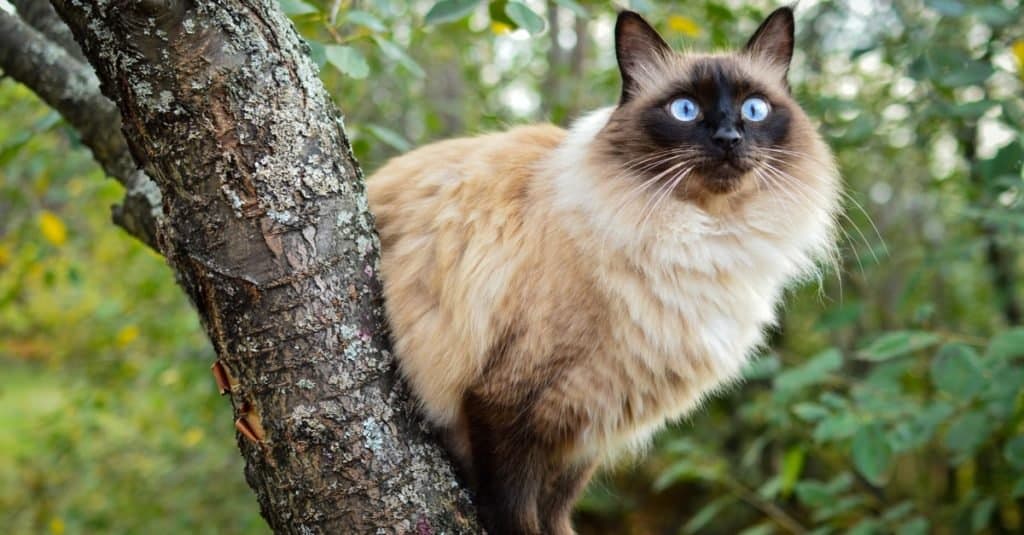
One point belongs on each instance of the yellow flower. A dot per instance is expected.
(500, 28)
(1018, 52)
(169, 377)
(683, 25)
(57, 526)
(126, 335)
(192, 437)
(53, 228)
(5, 255)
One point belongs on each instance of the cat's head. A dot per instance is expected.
(707, 125)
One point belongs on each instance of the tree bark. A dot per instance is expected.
(267, 228)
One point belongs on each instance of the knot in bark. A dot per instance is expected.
(149, 18)
(149, 8)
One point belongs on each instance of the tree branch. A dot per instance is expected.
(41, 16)
(268, 230)
(71, 88)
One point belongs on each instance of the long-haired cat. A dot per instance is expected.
(555, 296)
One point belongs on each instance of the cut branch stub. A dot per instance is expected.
(268, 230)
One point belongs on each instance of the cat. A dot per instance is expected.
(557, 296)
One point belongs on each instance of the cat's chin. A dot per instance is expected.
(723, 178)
(722, 186)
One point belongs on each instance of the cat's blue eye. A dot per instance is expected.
(755, 109)
(684, 109)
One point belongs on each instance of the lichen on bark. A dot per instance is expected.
(268, 230)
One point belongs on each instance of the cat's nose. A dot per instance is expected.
(727, 137)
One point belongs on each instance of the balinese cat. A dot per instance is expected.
(556, 296)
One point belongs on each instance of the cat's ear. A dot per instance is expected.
(637, 46)
(773, 40)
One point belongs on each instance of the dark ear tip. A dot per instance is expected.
(785, 12)
(626, 16)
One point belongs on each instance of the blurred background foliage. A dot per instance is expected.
(889, 400)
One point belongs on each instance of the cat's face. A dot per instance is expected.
(704, 124)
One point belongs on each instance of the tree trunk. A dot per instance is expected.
(265, 223)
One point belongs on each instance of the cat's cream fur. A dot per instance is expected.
(524, 272)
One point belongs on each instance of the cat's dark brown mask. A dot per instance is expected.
(711, 117)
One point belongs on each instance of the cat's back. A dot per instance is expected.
(488, 167)
(451, 221)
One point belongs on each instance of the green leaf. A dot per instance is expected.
(840, 483)
(1006, 345)
(764, 528)
(389, 137)
(813, 371)
(347, 60)
(1018, 489)
(968, 432)
(814, 493)
(450, 10)
(792, 465)
(752, 455)
(972, 110)
(525, 18)
(980, 514)
(809, 412)
(971, 73)
(871, 454)
(955, 370)
(682, 470)
(952, 8)
(1006, 162)
(914, 526)
(761, 368)
(836, 401)
(397, 53)
(897, 511)
(888, 375)
(860, 128)
(496, 9)
(837, 507)
(867, 526)
(770, 489)
(933, 415)
(993, 15)
(897, 343)
(706, 514)
(838, 426)
(297, 7)
(840, 316)
(365, 19)
(317, 52)
(1014, 452)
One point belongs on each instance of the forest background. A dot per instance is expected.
(889, 400)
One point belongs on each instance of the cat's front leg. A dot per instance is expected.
(507, 466)
(561, 489)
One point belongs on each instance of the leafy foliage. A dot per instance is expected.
(889, 400)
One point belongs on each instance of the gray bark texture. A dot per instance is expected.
(265, 222)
